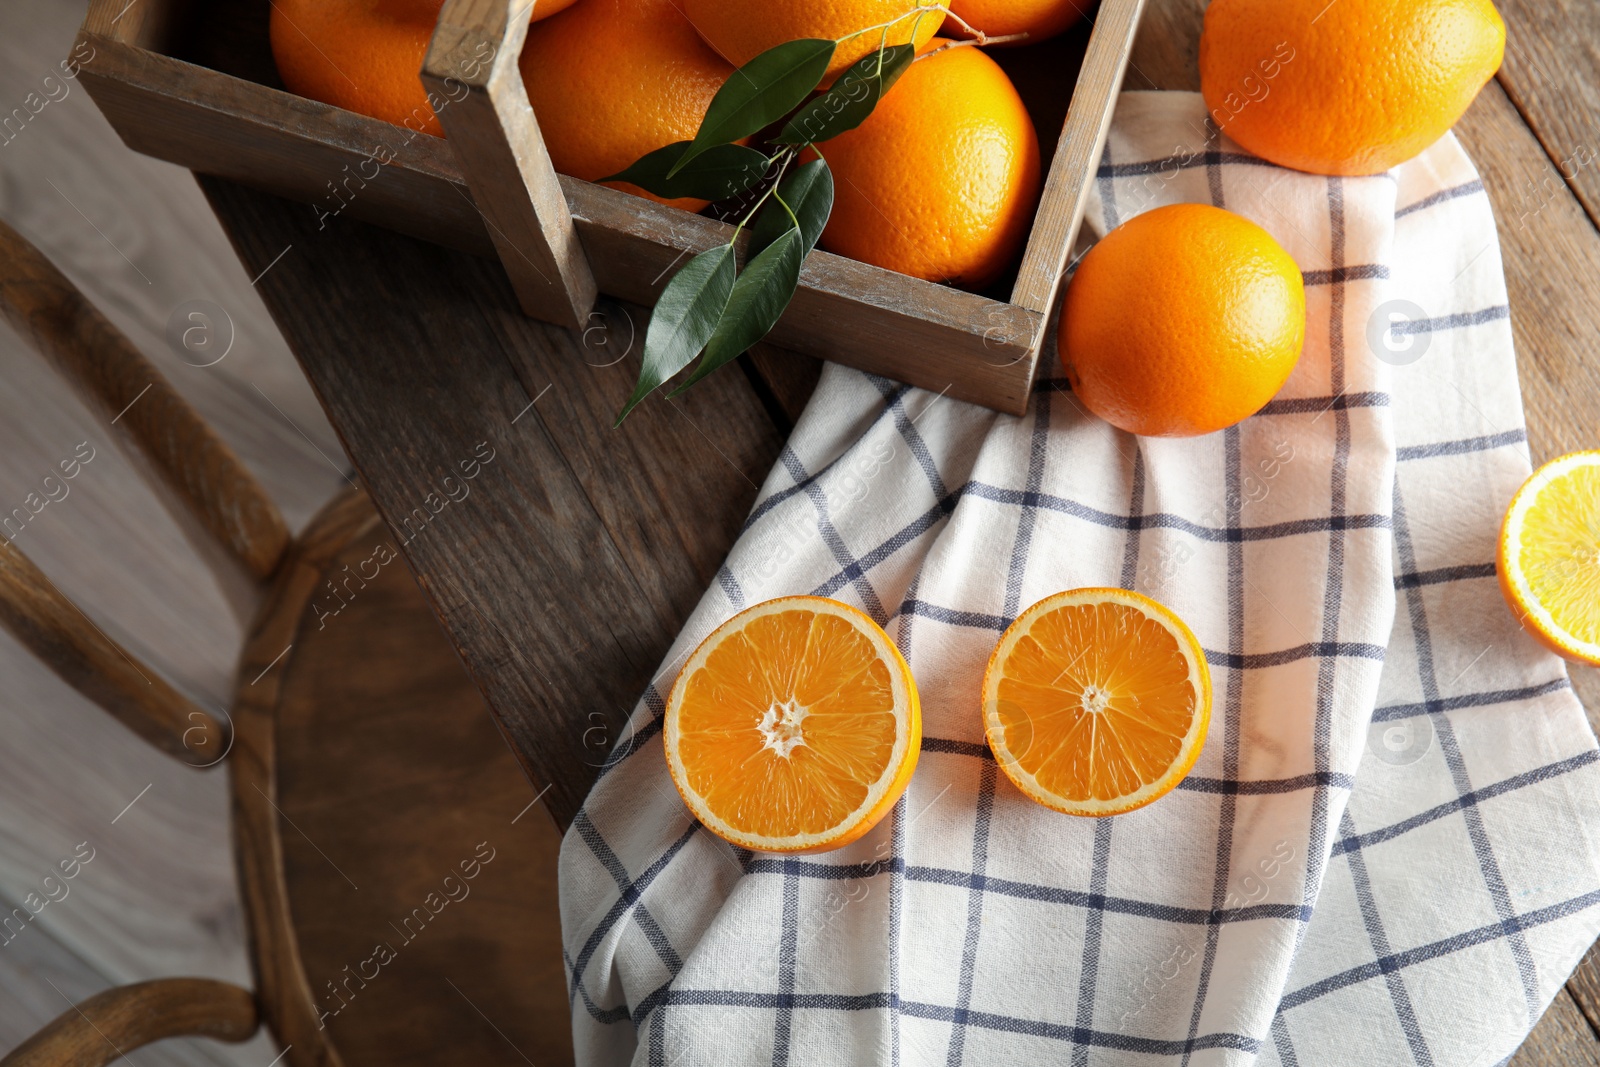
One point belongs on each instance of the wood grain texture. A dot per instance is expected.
(471, 70)
(610, 537)
(1552, 262)
(210, 491)
(108, 1025)
(1584, 986)
(288, 1005)
(52, 628)
(357, 793)
(160, 897)
(1077, 157)
(266, 138)
(136, 236)
(399, 781)
(1552, 74)
(140, 25)
(1530, 267)
(970, 347)
(1552, 266)
(1562, 1038)
(40, 978)
(789, 378)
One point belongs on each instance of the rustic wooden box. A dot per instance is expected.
(195, 84)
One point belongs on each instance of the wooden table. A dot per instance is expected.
(565, 566)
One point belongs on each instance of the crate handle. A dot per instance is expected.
(471, 74)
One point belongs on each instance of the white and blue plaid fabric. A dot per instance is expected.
(1386, 853)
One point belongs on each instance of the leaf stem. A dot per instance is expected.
(792, 216)
(918, 11)
(969, 27)
(977, 42)
(789, 153)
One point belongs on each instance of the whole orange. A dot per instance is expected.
(1039, 19)
(742, 30)
(1349, 87)
(1183, 320)
(612, 80)
(363, 56)
(941, 180)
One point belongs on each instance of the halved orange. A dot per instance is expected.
(1549, 556)
(1096, 701)
(794, 727)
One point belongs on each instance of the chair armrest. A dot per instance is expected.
(111, 1024)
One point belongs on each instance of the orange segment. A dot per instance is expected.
(1096, 701)
(794, 727)
(1549, 556)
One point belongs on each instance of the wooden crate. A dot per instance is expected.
(195, 85)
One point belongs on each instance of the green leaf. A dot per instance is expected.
(685, 318)
(808, 190)
(760, 93)
(851, 99)
(721, 171)
(759, 297)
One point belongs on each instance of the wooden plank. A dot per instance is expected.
(972, 347)
(1077, 157)
(611, 536)
(1552, 265)
(160, 897)
(1584, 986)
(1552, 74)
(968, 346)
(42, 978)
(1552, 258)
(337, 162)
(401, 778)
(1552, 274)
(787, 377)
(471, 70)
(1562, 1038)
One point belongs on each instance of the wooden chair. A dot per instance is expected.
(399, 892)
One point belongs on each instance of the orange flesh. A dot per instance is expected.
(1095, 701)
(788, 724)
(1560, 552)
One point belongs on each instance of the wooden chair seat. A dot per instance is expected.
(398, 876)
(391, 775)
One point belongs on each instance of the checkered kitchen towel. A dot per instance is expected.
(1386, 853)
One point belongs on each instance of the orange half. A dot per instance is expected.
(1549, 556)
(794, 727)
(1096, 701)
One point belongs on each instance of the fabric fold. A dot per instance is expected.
(1322, 859)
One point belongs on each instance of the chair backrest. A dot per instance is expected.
(220, 507)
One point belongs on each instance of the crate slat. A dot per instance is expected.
(471, 69)
(963, 345)
(1077, 158)
(280, 143)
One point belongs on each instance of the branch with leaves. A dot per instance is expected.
(710, 308)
